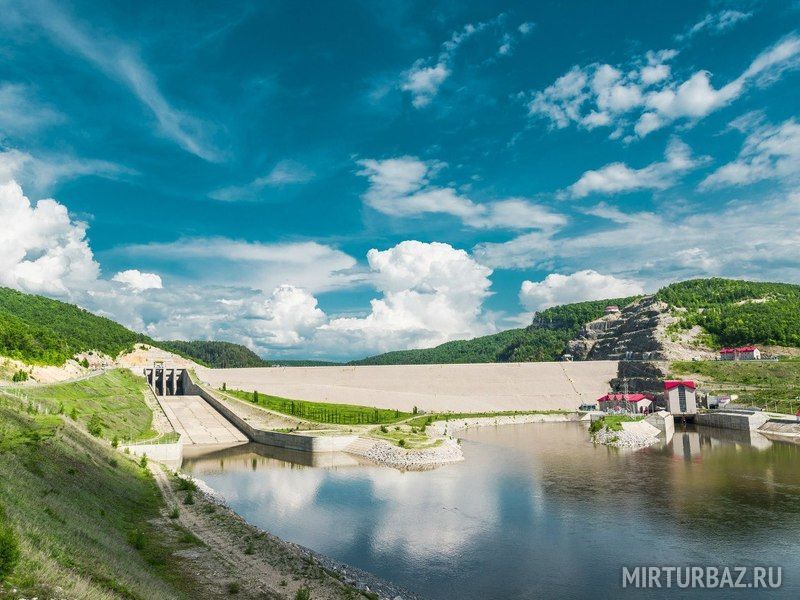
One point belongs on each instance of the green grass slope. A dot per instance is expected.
(114, 401)
(82, 516)
(543, 340)
(323, 412)
(736, 313)
(774, 385)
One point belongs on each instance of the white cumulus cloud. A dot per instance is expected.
(431, 293)
(584, 285)
(137, 280)
(42, 249)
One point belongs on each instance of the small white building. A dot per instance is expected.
(681, 397)
(612, 309)
(741, 353)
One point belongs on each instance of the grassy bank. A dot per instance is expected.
(82, 515)
(612, 422)
(113, 403)
(323, 412)
(427, 419)
(767, 384)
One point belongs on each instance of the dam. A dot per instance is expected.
(197, 422)
(449, 387)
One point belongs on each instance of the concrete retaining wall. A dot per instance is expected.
(664, 421)
(169, 454)
(732, 420)
(290, 441)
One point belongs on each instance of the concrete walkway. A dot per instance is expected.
(198, 422)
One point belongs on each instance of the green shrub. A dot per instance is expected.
(84, 363)
(73, 414)
(249, 549)
(94, 426)
(20, 375)
(402, 442)
(384, 429)
(174, 513)
(136, 538)
(255, 397)
(189, 500)
(115, 442)
(233, 587)
(186, 485)
(303, 594)
(143, 461)
(9, 548)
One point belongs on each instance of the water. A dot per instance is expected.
(534, 511)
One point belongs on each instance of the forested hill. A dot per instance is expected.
(38, 330)
(543, 340)
(220, 355)
(736, 313)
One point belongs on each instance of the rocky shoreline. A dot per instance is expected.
(637, 434)
(371, 585)
(384, 453)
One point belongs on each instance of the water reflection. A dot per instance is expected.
(534, 507)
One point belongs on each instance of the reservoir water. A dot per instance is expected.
(535, 510)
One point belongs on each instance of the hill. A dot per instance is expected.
(543, 340)
(693, 317)
(39, 330)
(735, 313)
(219, 355)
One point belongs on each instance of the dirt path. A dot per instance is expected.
(233, 553)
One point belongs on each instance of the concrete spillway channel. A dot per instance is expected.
(206, 418)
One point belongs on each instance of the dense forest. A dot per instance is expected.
(44, 331)
(542, 340)
(736, 312)
(219, 355)
(38, 330)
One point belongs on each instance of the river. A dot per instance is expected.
(535, 510)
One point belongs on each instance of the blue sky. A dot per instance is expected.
(337, 179)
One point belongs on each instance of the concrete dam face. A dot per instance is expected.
(457, 388)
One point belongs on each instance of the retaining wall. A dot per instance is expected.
(290, 441)
(732, 420)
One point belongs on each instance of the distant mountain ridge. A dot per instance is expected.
(543, 340)
(219, 355)
(694, 317)
(699, 315)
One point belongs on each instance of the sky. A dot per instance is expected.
(332, 180)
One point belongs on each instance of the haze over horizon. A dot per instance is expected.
(345, 179)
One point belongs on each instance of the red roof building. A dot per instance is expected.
(741, 353)
(625, 403)
(681, 396)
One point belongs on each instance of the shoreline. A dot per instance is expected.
(268, 564)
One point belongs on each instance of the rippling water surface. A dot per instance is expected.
(534, 511)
